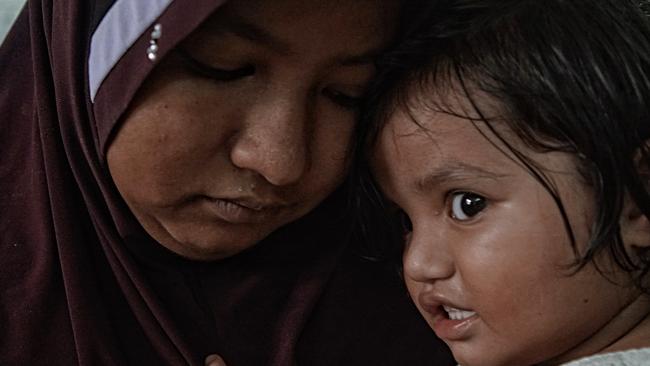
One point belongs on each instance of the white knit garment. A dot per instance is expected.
(633, 357)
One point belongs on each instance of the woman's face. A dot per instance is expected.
(249, 127)
(486, 260)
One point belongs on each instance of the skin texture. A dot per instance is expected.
(507, 262)
(214, 360)
(211, 166)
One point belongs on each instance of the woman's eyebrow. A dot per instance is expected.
(450, 172)
(245, 29)
(249, 31)
(368, 57)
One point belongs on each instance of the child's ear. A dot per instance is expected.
(635, 226)
(635, 229)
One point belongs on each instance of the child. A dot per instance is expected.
(513, 136)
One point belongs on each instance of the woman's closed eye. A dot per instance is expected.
(215, 73)
(342, 99)
(466, 205)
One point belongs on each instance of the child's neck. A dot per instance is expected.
(630, 329)
(637, 337)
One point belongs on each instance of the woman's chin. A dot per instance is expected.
(211, 244)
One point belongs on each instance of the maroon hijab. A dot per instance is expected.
(82, 283)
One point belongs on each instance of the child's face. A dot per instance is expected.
(486, 260)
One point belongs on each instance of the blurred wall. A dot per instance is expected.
(8, 11)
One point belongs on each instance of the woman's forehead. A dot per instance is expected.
(363, 27)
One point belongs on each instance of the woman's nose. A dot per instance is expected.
(426, 258)
(274, 140)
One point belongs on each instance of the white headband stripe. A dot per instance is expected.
(123, 24)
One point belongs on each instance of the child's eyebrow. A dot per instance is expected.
(454, 171)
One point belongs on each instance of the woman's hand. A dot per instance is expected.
(214, 360)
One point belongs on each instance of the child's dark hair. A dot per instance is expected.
(570, 75)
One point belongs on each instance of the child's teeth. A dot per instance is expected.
(455, 314)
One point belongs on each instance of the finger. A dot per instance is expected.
(214, 360)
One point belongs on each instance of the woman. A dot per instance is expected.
(514, 143)
(153, 157)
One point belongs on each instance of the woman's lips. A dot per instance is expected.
(256, 205)
(449, 322)
(243, 211)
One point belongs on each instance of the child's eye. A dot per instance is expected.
(213, 72)
(465, 205)
(342, 99)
